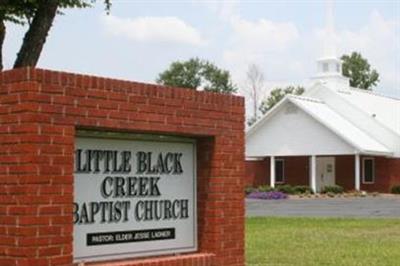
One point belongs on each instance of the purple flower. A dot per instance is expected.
(274, 195)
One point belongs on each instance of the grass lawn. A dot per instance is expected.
(322, 241)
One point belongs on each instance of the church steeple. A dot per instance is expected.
(329, 66)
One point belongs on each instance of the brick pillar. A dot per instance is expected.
(39, 113)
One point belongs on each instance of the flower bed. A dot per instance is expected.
(272, 195)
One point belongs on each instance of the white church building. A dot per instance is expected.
(333, 134)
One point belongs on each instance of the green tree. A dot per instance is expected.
(39, 16)
(277, 94)
(359, 71)
(252, 120)
(194, 74)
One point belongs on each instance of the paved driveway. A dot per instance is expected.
(371, 207)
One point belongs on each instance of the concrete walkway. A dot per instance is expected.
(368, 207)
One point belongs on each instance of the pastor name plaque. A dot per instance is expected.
(134, 197)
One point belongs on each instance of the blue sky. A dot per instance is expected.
(139, 39)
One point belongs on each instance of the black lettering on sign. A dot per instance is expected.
(103, 211)
(107, 238)
(91, 161)
(163, 163)
(130, 186)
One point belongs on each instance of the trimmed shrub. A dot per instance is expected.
(248, 190)
(288, 189)
(331, 194)
(354, 193)
(265, 188)
(395, 189)
(272, 195)
(333, 189)
(302, 190)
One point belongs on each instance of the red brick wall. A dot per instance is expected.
(387, 173)
(344, 171)
(257, 173)
(395, 172)
(39, 113)
(296, 170)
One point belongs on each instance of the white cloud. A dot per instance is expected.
(378, 41)
(225, 10)
(262, 42)
(288, 56)
(255, 41)
(263, 35)
(153, 29)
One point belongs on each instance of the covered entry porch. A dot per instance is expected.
(316, 171)
(352, 172)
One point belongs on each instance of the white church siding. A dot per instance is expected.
(294, 133)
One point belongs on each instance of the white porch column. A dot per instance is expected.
(357, 171)
(272, 172)
(313, 166)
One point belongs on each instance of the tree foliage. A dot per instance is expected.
(252, 120)
(39, 16)
(359, 71)
(194, 74)
(277, 94)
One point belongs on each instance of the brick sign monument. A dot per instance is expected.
(101, 171)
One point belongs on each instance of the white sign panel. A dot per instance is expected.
(133, 198)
